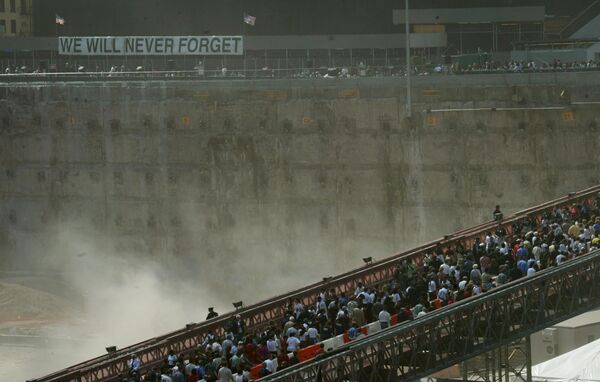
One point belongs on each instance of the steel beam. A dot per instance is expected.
(465, 329)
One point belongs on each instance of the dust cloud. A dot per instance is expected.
(121, 299)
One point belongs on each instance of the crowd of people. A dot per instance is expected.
(344, 71)
(521, 67)
(445, 275)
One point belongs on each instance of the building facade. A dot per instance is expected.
(16, 18)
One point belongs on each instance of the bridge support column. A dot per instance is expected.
(503, 364)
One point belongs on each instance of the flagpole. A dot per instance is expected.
(244, 36)
(57, 43)
(243, 19)
(408, 68)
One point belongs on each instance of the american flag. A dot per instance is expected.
(60, 20)
(250, 20)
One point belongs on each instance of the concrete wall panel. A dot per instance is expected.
(230, 170)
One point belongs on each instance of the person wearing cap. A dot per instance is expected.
(289, 324)
(211, 313)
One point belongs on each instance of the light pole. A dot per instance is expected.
(408, 69)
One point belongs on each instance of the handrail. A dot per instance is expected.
(273, 74)
(431, 319)
(259, 314)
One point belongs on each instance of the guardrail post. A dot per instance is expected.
(528, 357)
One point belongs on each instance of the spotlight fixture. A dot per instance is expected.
(190, 325)
(238, 305)
(368, 260)
(327, 278)
(111, 349)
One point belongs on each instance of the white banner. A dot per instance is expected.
(151, 45)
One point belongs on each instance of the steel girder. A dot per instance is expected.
(502, 364)
(460, 331)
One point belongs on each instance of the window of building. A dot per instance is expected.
(13, 6)
(2, 9)
(13, 26)
(2, 26)
(24, 9)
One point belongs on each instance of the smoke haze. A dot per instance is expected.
(109, 299)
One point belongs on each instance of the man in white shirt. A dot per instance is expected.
(384, 319)
(445, 268)
(313, 335)
(359, 289)
(272, 345)
(270, 366)
(443, 293)
(293, 343)
(225, 374)
(431, 288)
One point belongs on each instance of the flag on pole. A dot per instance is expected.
(60, 20)
(250, 20)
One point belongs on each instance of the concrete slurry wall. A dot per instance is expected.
(303, 177)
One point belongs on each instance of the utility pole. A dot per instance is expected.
(408, 67)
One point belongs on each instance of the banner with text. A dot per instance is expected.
(151, 45)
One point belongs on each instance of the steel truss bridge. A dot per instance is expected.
(470, 327)
(488, 322)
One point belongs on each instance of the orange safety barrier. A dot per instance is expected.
(309, 352)
(364, 330)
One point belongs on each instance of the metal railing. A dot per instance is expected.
(260, 315)
(293, 73)
(462, 330)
